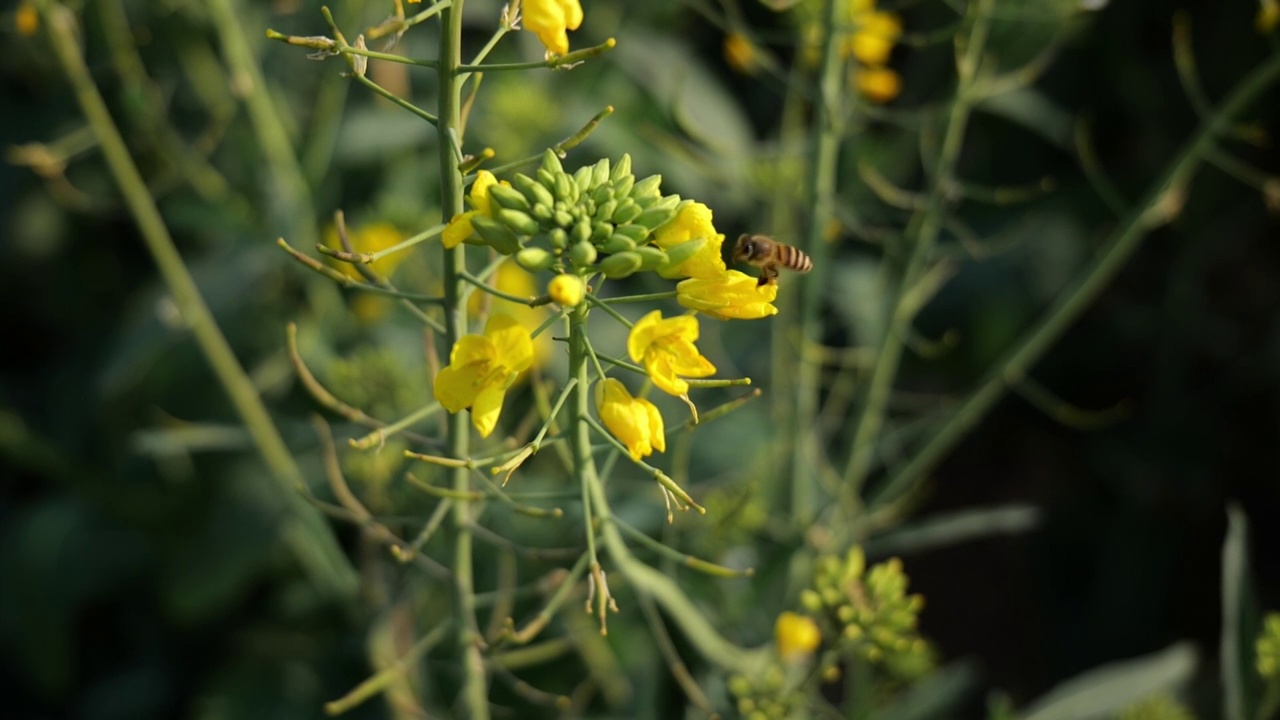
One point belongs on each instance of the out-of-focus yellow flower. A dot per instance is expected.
(482, 367)
(873, 36)
(878, 84)
(729, 296)
(514, 280)
(368, 239)
(666, 348)
(459, 227)
(1268, 16)
(635, 421)
(26, 20)
(741, 53)
(693, 222)
(566, 290)
(796, 636)
(1268, 648)
(550, 20)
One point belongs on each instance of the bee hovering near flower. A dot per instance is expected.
(768, 254)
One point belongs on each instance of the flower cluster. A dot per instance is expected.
(869, 43)
(1268, 649)
(765, 696)
(870, 611)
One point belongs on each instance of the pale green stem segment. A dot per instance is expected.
(473, 698)
(304, 531)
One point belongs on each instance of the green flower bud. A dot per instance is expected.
(621, 265)
(582, 179)
(551, 162)
(647, 187)
(583, 254)
(581, 231)
(534, 259)
(495, 234)
(846, 613)
(605, 210)
(521, 222)
(739, 685)
(565, 189)
(542, 213)
(509, 197)
(547, 179)
(677, 254)
(601, 231)
(617, 243)
(651, 257)
(533, 190)
(622, 187)
(601, 195)
(654, 218)
(563, 218)
(637, 233)
(628, 210)
(622, 169)
(600, 173)
(810, 600)
(559, 238)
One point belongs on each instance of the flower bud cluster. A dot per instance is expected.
(764, 696)
(870, 610)
(597, 219)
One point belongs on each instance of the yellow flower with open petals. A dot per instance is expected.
(667, 351)
(550, 19)
(482, 367)
(729, 296)
(635, 421)
(693, 222)
(459, 227)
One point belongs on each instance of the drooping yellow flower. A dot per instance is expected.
(692, 222)
(666, 348)
(741, 53)
(873, 36)
(878, 84)
(459, 227)
(796, 636)
(566, 290)
(550, 20)
(729, 296)
(482, 367)
(635, 421)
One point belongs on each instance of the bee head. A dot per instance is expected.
(745, 249)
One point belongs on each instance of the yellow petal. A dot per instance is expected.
(458, 230)
(479, 194)
(642, 335)
(686, 360)
(684, 327)
(660, 368)
(456, 387)
(487, 408)
(549, 19)
(657, 433)
(472, 349)
(731, 295)
(513, 346)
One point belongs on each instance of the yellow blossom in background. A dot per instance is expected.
(741, 54)
(459, 227)
(481, 368)
(873, 37)
(729, 296)
(666, 348)
(693, 222)
(634, 421)
(26, 20)
(1268, 648)
(510, 278)
(550, 20)
(796, 636)
(368, 239)
(1268, 16)
(566, 290)
(877, 84)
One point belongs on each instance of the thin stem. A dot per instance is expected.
(559, 61)
(649, 297)
(306, 534)
(580, 416)
(379, 436)
(384, 678)
(597, 302)
(561, 147)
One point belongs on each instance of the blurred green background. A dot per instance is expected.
(141, 570)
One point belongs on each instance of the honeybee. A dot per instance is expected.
(768, 254)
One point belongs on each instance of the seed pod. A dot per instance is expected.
(677, 254)
(622, 168)
(605, 210)
(551, 162)
(509, 197)
(559, 238)
(563, 218)
(637, 233)
(617, 243)
(600, 173)
(495, 234)
(534, 259)
(542, 213)
(654, 217)
(622, 188)
(627, 211)
(650, 257)
(647, 187)
(583, 254)
(621, 265)
(521, 222)
(581, 231)
(533, 190)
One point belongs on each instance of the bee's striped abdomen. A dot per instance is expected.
(794, 258)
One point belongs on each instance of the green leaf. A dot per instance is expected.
(1106, 689)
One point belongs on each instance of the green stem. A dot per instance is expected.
(579, 421)
(473, 697)
(1084, 290)
(305, 532)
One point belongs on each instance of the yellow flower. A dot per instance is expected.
(667, 351)
(635, 421)
(873, 36)
(549, 19)
(1268, 16)
(367, 239)
(693, 222)
(482, 367)
(878, 84)
(26, 20)
(566, 290)
(512, 279)
(731, 295)
(796, 636)
(459, 227)
(741, 54)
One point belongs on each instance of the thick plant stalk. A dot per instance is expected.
(303, 530)
(474, 697)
